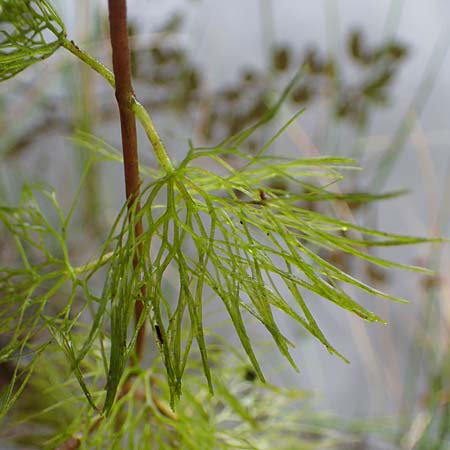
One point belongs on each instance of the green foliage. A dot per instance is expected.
(227, 234)
(223, 234)
(30, 31)
(216, 229)
(243, 413)
(34, 307)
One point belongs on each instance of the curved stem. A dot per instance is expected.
(140, 112)
(146, 121)
(90, 61)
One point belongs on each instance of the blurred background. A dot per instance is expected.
(374, 87)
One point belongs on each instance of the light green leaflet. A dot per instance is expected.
(30, 31)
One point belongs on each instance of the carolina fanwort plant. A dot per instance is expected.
(187, 235)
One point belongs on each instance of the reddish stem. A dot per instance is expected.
(124, 93)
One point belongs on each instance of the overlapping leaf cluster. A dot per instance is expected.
(212, 231)
(40, 290)
(227, 234)
(223, 233)
(30, 31)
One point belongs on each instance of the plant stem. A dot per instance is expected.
(90, 61)
(161, 153)
(93, 264)
(140, 112)
(124, 94)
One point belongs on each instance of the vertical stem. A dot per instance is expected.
(124, 94)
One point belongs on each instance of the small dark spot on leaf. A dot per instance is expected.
(159, 334)
(250, 375)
